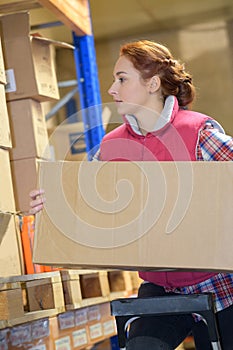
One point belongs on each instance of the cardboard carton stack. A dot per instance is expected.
(10, 246)
(31, 80)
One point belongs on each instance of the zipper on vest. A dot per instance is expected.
(143, 147)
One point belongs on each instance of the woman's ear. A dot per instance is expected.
(154, 84)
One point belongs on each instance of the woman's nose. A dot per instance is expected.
(112, 90)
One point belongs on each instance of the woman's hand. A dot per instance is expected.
(37, 201)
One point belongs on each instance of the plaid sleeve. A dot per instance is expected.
(214, 145)
(96, 156)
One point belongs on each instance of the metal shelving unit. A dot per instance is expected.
(89, 91)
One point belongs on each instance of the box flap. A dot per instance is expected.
(51, 41)
(15, 25)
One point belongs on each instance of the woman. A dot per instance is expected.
(153, 93)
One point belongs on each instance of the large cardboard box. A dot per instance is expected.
(136, 215)
(29, 60)
(5, 134)
(28, 130)
(7, 200)
(24, 177)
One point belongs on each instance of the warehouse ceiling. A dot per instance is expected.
(116, 19)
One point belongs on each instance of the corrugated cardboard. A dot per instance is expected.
(5, 134)
(7, 201)
(29, 60)
(136, 215)
(24, 176)
(28, 130)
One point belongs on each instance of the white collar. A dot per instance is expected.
(163, 119)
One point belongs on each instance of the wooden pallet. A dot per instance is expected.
(136, 280)
(11, 300)
(30, 297)
(84, 287)
(120, 284)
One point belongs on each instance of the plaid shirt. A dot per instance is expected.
(213, 146)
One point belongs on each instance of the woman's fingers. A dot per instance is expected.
(36, 209)
(37, 192)
(37, 201)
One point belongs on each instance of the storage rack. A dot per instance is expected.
(89, 96)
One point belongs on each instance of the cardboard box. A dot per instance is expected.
(28, 130)
(2, 66)
(68, 141)
(136, 215)
(5, 134)
(24, 176)
(29, 60)
(7, 200)
(11, 262)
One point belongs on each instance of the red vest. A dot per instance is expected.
(177, 141)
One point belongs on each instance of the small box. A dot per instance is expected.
(5, 133)
(29, 60)
(28, 130)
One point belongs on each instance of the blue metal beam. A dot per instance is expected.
(89, 91)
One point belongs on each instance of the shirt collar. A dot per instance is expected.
(163, 119)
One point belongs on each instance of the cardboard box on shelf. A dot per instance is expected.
(29, 60)
(7, 200)
(5, 134)
(136, 215)
(24, 177)
(68, 139)
(28, 130)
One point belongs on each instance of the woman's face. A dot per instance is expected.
(129, 91)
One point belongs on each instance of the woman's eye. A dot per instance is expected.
(121, 80)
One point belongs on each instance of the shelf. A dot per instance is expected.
(75, 15)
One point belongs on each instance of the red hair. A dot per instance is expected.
(151, 58)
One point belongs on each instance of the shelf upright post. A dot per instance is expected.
(89, 91)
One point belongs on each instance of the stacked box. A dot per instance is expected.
(29, 143)
(30, 80)
(29, 61)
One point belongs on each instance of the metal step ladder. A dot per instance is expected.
(127, 309)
